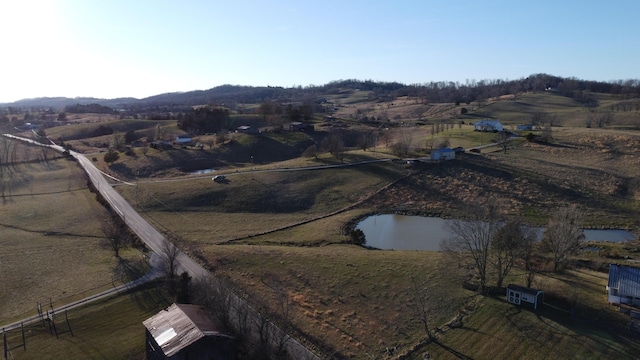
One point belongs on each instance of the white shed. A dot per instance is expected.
(443, 154)
(520, 295)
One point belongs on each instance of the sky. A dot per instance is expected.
(140, 48)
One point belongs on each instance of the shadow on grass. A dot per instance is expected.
(454, 352)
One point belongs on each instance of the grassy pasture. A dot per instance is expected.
(108, 329)
(51, 245)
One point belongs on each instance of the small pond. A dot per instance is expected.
(402, 232)
(203, 171)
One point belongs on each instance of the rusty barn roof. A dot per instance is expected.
(179, 326)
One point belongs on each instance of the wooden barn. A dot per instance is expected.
(182, 332)
(524, 296)
(623, 286)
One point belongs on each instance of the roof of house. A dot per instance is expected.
(184, 136)
(523, 289)
(626, 279)
(444, 150)
(488, 122)
(179, 326)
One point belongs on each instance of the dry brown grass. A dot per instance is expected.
(51, 243)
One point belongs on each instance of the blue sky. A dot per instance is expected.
(140, 48)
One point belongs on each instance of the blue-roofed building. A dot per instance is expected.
(624, 285)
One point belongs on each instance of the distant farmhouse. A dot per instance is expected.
(525, 127)
(245, 129)
(183, 139)
(624, 285)
(182, 332)
(488, 126)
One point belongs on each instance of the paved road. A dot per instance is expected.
(154, 240)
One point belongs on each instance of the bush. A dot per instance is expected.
(357, 237)
(530, 137)
(111, 156)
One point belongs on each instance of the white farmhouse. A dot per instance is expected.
(488, 126)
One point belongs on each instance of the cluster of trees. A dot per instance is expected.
(493, 245)
(206, 119)
(88, 108)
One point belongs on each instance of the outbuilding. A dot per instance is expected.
(443, 154)
(520, 295)
(623, 286)
(183, 139)
(184, 331)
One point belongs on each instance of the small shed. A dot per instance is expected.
(184, 331)
(525, 127)
(520, 295)
(623, 286)
(443, 154)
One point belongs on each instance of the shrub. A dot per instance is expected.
(530, 137)
(357, 237)
(111, 156)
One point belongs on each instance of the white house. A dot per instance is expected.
(623, 286)
(183, 139)
(443, 154)
(520, 295)
(488, 126)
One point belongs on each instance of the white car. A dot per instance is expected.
(218, 178)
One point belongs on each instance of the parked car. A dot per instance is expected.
(218, 178)
(458, 150)
(475, 150)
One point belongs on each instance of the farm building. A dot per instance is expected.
(183, 139)
(182, 332)
(300, 126)
(524, 127)
(245, 129)
(520, 295)
(488, 126)
(443, 154)
(623, 286)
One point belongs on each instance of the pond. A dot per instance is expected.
(402, 232)
(203, 171)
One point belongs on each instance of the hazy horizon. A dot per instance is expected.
(106, 50)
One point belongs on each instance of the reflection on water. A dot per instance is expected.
(402, 232)
(203, 171)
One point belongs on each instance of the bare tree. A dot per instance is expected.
(402, 146)
(169, 254)
(421, 306)
(473, 238)
(563, 235)
(117, 234)
(512, 241)
(334, 144)
(503, 140)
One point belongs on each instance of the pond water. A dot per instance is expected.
(402, 232)
(203, 171)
